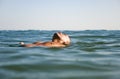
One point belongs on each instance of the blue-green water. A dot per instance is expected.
(91, 55)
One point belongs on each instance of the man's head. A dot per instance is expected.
(61, 38)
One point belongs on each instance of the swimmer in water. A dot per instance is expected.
(58, 40)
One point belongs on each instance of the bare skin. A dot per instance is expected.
(59, 40)
(47, 44)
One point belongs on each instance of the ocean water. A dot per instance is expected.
(93, 54)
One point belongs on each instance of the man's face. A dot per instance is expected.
(61, 38)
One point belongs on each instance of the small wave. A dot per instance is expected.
(91, 55)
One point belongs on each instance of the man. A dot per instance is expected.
(58, 40)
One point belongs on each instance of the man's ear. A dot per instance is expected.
(65, 43)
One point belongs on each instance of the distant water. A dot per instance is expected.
(93, 54)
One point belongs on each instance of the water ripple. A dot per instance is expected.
(91, 55)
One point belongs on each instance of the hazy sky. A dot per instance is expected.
(59, 14)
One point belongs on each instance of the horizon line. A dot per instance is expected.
(57, 29)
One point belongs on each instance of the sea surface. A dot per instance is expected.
(93, 54)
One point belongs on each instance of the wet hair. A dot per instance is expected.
(55, 36)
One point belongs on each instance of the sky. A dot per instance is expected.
(59, 14)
